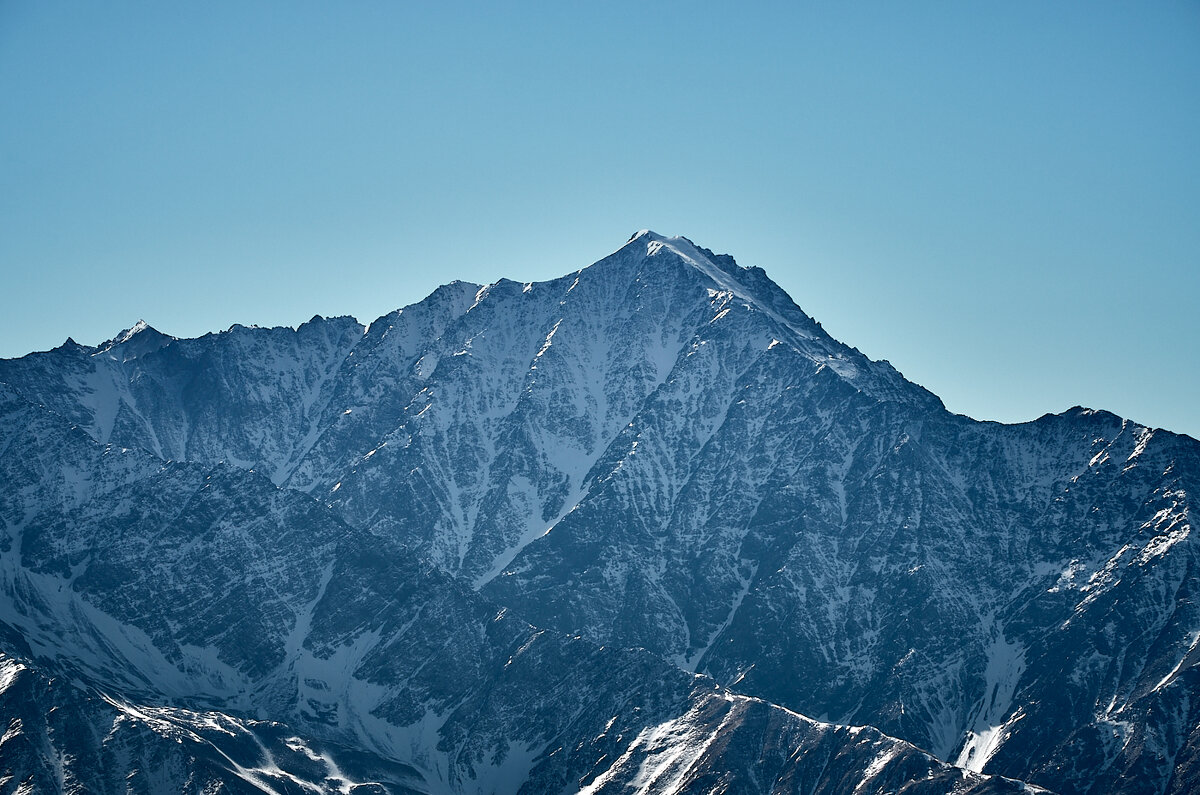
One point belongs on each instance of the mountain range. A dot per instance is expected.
(643, 528)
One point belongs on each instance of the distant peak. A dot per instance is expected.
(126, 335)
(684, 248)
(135, 329)
(137, 340)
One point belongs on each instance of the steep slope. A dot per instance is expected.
(470, 384)
(248, 396)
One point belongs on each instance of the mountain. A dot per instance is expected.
(203, 605)
(616, 530)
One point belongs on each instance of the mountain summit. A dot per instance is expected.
(137, 340)
(619, 530)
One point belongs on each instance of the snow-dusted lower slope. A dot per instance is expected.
(658, 451)
(61, 737)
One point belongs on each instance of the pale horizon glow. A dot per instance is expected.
(1001, 199)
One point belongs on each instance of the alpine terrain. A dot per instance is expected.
(643, 528)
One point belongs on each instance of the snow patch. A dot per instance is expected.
(1005, 664)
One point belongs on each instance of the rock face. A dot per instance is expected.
(616, 531)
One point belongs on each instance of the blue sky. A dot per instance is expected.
(1003, 199)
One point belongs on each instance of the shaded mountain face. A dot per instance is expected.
(496, 535)
(192, 627)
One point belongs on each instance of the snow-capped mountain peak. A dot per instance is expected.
(137, 340)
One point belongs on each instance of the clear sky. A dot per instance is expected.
(1001, 198)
